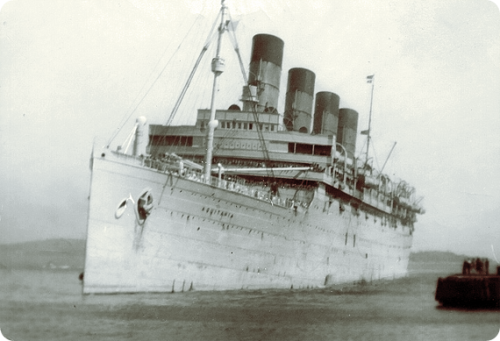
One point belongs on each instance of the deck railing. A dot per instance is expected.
(370, 197)
(179, 169)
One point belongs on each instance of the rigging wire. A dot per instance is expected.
(188, 82)
(163, 130)
(129, 139)
(361, 153)
(154, 82)
(234, 41)
(201, 82)
(175, 109)
(375, 154)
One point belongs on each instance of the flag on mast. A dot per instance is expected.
(369, 79)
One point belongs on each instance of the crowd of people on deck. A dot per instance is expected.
(251, 186)
(279, 183)
(253, 164)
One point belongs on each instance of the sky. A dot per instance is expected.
(72, 72)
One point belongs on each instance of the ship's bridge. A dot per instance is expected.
(241, 120)
(237, 137)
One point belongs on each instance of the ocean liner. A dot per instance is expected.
(248, 197)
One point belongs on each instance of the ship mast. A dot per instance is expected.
(369, 79)
(217, 69)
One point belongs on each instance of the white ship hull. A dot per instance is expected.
(201, 237)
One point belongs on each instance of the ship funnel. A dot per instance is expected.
(326, 113)
(265, 73)
(299, 100)
(347, 130)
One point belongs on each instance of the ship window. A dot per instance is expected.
(260, 126)
(250, 126)
(322, 150)
(172, 140)
(239, 125)
(272, 127)
(223, 125)
(234, 125)
(245, 126)
(303, 148)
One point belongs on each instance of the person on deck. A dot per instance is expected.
(479, 266)
(466, 267)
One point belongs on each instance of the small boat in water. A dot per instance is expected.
(476, 289)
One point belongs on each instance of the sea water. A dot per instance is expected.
(49, 305)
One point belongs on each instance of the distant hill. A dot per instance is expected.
(441, 262)
(437, 256)
(63, 254)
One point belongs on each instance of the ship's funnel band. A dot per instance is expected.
(265, 76)
(347, 130)
(329, 123)
(299, 100)
(264, 73)
(326, 113)
(298, 116)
